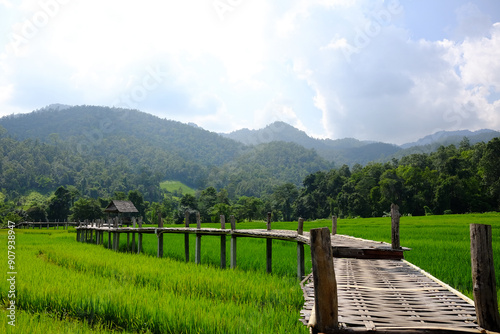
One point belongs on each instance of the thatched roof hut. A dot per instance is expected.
(121, 207)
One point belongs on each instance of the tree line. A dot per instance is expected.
(450, 180)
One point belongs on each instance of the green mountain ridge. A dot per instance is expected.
(102, 150)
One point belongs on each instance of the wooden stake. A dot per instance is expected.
(139, 242)
(300, 252)
(269, 255)
(197, 253)
(325, 284)
(395, 226)
(334, 225)
(186, 236)
(160, 237)
(223, 243)
(268, 221)
(117, 247)
(483, 277)
(300, 226)
(233, 244)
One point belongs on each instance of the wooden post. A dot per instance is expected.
(133, 242)
(186, 236)
(300, 252)
(334, 225)
(395, 226)
(139, 243)
(78, 235)
(223, 243)
(483, 277)
(325, 284)
(233, 243)
(269, 247)
(128, 241)
(269, 255)
(160, 237)
(117, 246)
(109, 240)
(139, 238)
(197, 253)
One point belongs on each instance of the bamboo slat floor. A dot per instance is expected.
(393, 296)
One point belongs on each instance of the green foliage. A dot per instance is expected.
(448, 180)
(86, 208)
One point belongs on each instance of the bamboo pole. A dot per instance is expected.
(483, 277)
(325, 285)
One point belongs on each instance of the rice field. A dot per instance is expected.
(69, 287)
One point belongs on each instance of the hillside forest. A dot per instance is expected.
(52, 169)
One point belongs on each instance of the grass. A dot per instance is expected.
(64, 285)
(139, 293)
(174, 186)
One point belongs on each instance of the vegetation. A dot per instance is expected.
(115, 291)
(65, 164)
(65, 285)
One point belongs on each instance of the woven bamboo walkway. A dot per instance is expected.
(342, 245)
(393, 296)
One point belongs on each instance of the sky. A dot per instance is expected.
(391, 71)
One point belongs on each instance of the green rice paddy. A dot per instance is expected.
(63, 286)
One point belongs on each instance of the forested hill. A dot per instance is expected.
(352, 151)
(341, 151)
(89, 127)
(102, 150)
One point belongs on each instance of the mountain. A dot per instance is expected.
(446, 138)
(351, 151)
(102, 150)
(347, 151)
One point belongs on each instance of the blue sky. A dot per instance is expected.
(392, 71)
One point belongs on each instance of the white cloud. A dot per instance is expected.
(337, 68)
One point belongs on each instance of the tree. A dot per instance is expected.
(86, 208)
(283, 198)
(137, 199)
(490, 171)
(37, 214)
(59, 205)
(248, 207)
(207, 200)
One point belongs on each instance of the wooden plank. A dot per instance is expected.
(483, 277)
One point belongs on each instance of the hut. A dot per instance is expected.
(122, 209)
